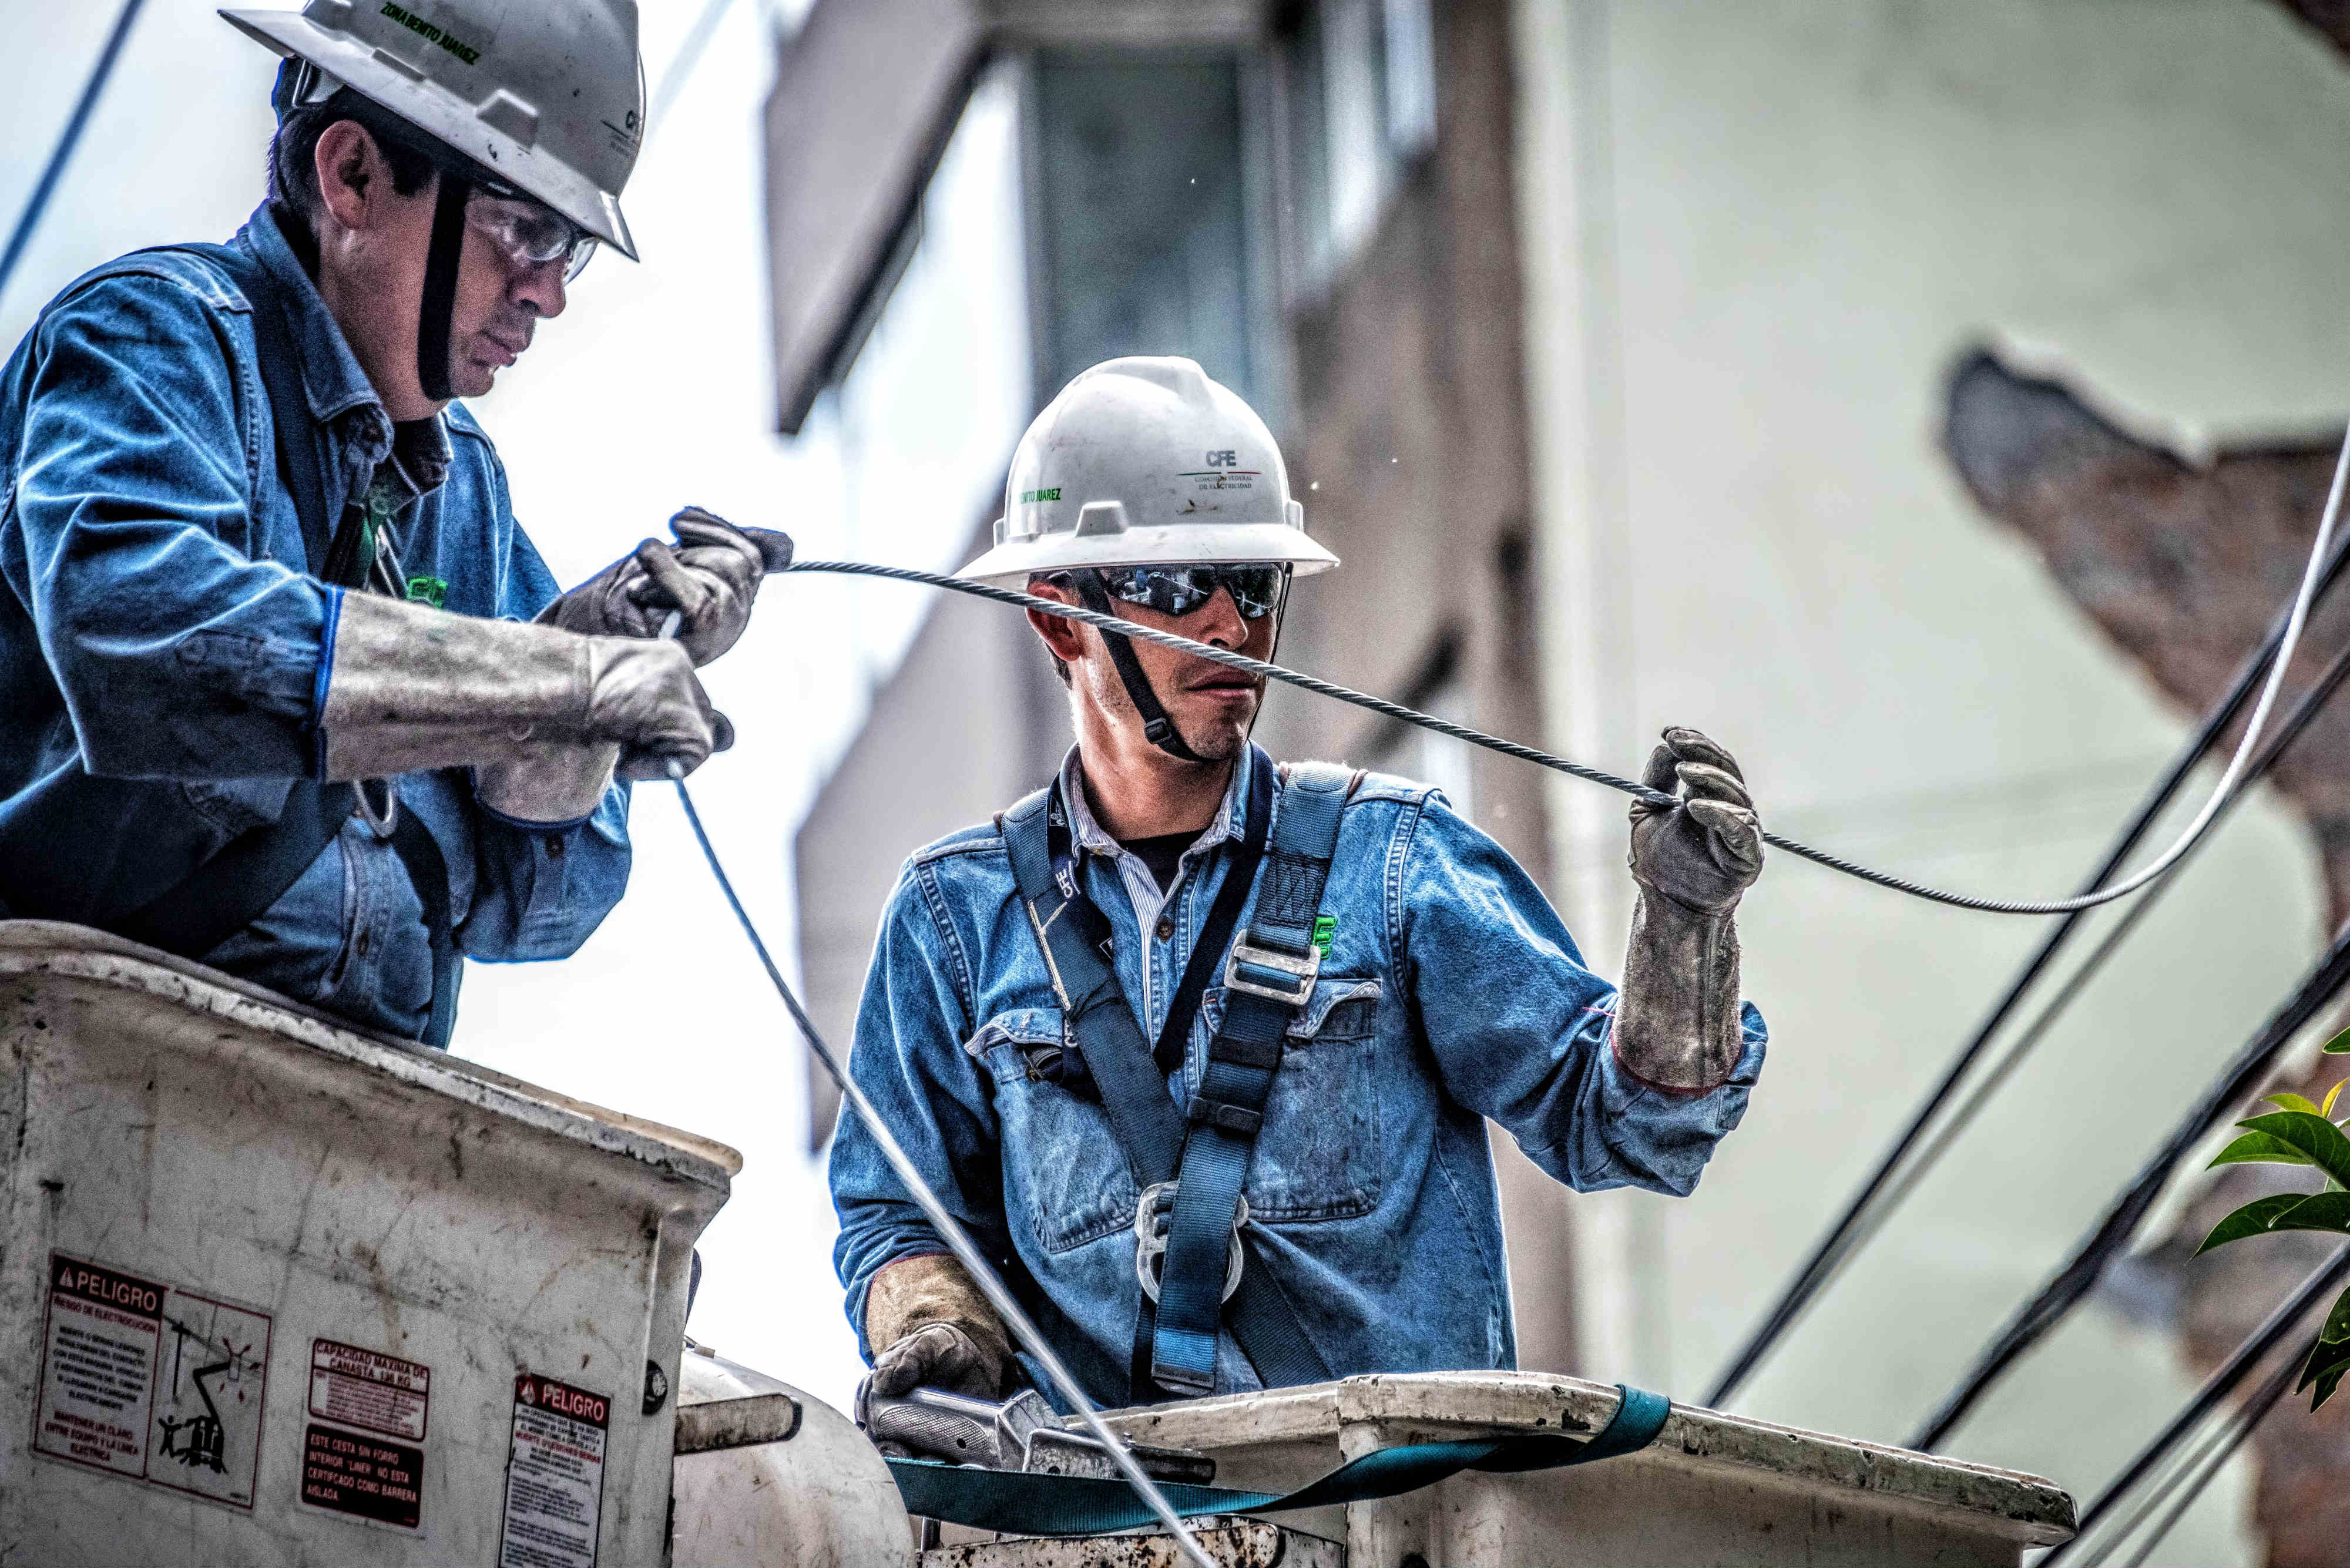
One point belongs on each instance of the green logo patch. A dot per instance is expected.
(1052, 494)
(433, 591)
(1326, 928)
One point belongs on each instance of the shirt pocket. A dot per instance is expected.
(1318, 1155)
(1062, 1159)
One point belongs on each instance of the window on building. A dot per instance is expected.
(1359, 90)
(1144, 231)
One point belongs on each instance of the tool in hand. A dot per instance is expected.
(1020, 1434)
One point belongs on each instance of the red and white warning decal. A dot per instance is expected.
(370, 1390)
(555, 1475)
(146, 1379)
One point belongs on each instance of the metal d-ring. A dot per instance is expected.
(1151, 1214)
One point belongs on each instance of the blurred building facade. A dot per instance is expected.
(1608, 344)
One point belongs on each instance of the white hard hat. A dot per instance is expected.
(1145, 461)
(548, 95)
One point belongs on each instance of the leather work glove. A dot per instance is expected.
(711, 576)
(1676, 1023)
(410, 687)
(935, 1330)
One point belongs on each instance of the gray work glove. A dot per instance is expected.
(410, 687)
(711, 576)
(1677, 1023)
(935, 1330)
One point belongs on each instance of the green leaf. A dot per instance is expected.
(2295, 1103)
(2339, 1045)
(2325, 1367)
(2332, 1095)
(2252, 1219)
(2321, 1211)
(2313, 1134)
(2259, 1148)
(2337, 1322)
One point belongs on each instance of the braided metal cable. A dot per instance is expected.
(1397, 710)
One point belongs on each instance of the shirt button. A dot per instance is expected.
(363, 944)
(1166, 927)
(555, 848)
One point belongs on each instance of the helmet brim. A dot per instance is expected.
(1011, 564)
(445, 116)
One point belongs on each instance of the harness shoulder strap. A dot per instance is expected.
(1269, 981)
(1100, 1025)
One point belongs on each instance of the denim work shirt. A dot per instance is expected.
(1451, 992)
(162, 650)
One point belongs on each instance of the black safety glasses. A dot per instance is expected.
(1257, 591)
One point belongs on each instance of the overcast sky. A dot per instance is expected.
(654, 389)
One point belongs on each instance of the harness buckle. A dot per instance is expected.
(1269, 972)
(1152, 1215)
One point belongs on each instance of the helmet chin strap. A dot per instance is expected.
(1156, 727)
(438, 306)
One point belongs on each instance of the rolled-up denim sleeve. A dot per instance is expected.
(178, 654)
(1523, 1032)
(908, 1059)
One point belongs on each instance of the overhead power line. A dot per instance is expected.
(2111, 1234)
(1898, 1172)
(46, 185)
(2216, 1390)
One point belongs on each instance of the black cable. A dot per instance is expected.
(1864, 1215)
(2231, 1437)
(46, 186)
(1380, 705)
(2216, 1388)
(2112, 1234)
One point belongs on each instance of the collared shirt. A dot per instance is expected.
(1450, 994)
(163, 645)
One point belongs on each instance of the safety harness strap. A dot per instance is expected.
(1269, 982)
(1098, 1023)
(1030, 1503)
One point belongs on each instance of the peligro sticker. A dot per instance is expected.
(147, 1380)
(555, 1475)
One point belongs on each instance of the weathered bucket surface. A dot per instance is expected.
(273, 1292)
(1713, 1489)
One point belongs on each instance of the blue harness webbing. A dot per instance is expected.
(1203, 1150)
(1024, 1503)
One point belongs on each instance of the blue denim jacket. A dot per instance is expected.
(1450, 992)
(161, 646)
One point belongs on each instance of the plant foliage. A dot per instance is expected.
(2301, 1133)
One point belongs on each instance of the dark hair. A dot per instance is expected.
(293, 150)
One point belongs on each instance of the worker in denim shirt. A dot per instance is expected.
(1446, 991)
(185, 654)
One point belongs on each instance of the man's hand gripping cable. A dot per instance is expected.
(966, 1253)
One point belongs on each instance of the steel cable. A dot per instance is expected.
(2296, 619)
(46, 185)
(1897, 1174)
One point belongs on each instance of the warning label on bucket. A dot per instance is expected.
(555, 1475)
(348, 1472)
(147, 1379)
(367, 1388)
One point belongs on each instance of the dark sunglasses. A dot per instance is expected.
(1257, 591)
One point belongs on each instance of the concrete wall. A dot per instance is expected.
(1753, 238)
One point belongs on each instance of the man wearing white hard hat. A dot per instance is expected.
(273, 695)
(1203, 1048)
